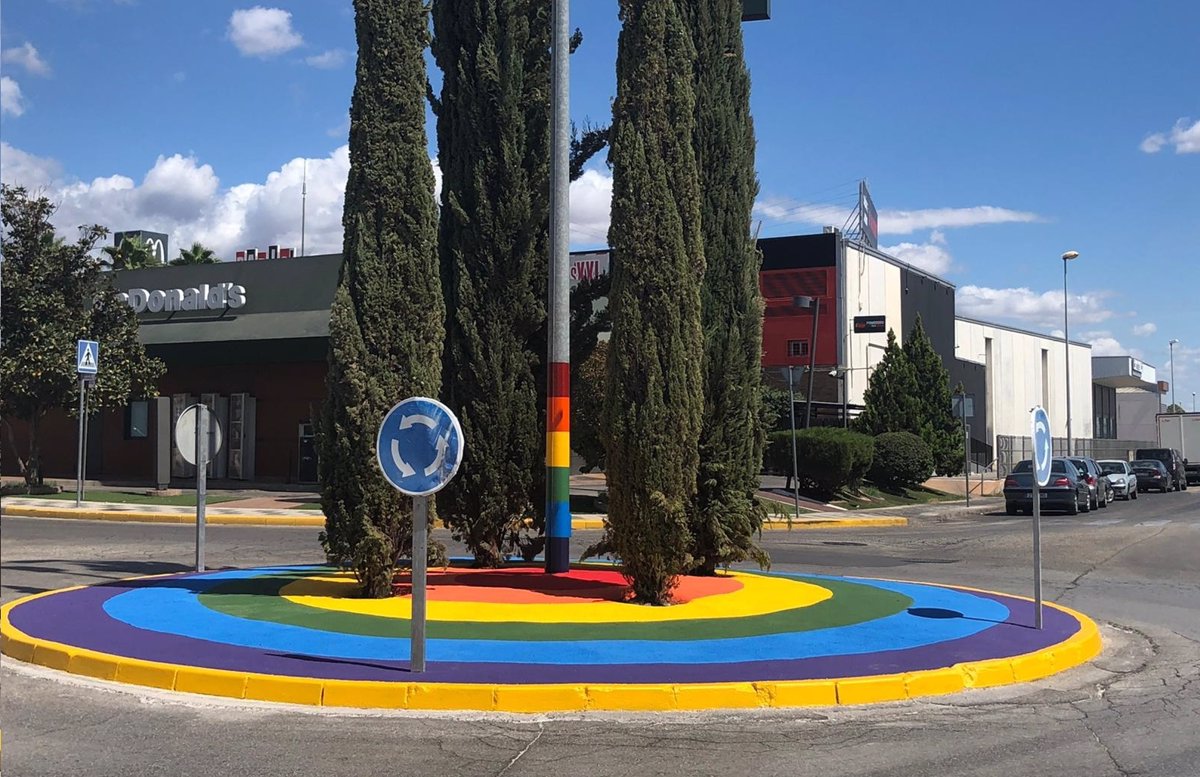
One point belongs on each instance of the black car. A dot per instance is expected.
(1101, 490)
(1170, 459)
(1152, 474)
(1067, 490)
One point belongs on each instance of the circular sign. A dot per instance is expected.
(419, 446)
(185, 434)
(1042, 445)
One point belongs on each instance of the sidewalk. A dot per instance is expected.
(243, 513)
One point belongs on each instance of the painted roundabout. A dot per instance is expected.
(518, 640)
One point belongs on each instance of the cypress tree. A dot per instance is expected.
(493, 133)
(727, 514)
(937, 425)
(386, 325)
(654, 404)
(891, 403)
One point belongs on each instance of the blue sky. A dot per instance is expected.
(994, 136)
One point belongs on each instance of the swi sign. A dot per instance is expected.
(586, 267)
(217, 296)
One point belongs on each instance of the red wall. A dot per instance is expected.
(782, 321)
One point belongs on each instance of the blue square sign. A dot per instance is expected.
(87, 357)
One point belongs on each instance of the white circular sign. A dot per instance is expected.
(185, 434)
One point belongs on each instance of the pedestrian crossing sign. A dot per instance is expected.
(87, 357)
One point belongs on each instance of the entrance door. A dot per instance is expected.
(307, 459)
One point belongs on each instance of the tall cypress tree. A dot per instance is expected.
(727, 515)
(936, 423)
(890, 403)
(654, 404)
(386, 325)
(493, 134)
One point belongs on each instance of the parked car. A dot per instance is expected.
(1152, 474)
(1120, 476)
(1066, 491)
(1171, 459)
(1089, 470)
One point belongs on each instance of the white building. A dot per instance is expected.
(1127, 398)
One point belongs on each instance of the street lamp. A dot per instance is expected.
(813, 303)
(1068, 256)
(1172, 345)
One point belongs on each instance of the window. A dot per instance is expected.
(960, 401)
(797, 348)
(137, 420)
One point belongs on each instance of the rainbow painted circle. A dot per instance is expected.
(519, 627)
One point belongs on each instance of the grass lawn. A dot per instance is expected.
(870, 496)
(133, 497)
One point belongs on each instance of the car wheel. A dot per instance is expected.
(1074, 508)
(1011, 509)
(1102, 503)
(1087, 505)
(1133, 494)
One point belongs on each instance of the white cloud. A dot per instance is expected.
(1184, 137)
(1148, 328)
(327, 60)
(891, 222)
(591, 202)
(932, 257)
(27, 57)
(263, 32)
(1104, 344)
(1031, 308)
(22, 169)
(11, 100)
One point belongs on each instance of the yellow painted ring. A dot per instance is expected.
(759, 595)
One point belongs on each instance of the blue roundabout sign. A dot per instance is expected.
(419, 446)
(1042, 448)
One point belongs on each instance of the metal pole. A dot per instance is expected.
(202, 430)
(1172, 345)
(1037, 552)
(420, 555)
(846, 398)
(79, 461)
(1067, 352)
(558, 379)
(812, 364)
(795, 468)
(966, 449)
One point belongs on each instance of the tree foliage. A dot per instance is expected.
(133, 253)
(727, 514)
(654, 399)
(386, 327)
(891, 403)
(902, 460)
(197, 254)
(493, 132)
(56, 294)
(587, 407)
(936, 424)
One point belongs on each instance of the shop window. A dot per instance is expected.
(797, 348)
(137, 420)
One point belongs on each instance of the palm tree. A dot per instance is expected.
(197, 254)
(132, 254)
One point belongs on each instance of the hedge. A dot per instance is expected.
(902, 460)
(828, 459)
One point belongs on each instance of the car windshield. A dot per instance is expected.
(1146, 465)
(1080, 464)
(1056, 465)
(1112, 467)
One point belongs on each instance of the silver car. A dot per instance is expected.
(1120, 475)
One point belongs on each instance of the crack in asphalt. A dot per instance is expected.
(541, 730)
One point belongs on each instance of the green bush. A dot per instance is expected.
(828, 459)
(902, 460)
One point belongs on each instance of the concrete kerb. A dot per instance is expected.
(218, 516)
(1080, 648)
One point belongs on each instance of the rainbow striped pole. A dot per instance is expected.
(558, 376)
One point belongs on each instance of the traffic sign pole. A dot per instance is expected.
(1043, 466)
(79, 461)
(420, 555)
(202, 424)
(1037, 554)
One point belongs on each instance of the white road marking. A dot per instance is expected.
(1104, 522)
(1163, 522)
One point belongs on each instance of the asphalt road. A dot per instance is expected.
(1135, 711)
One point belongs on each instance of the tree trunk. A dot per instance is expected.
(33, 465)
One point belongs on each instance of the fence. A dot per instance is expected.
(1010, 449)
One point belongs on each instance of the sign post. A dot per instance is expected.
(419, 448)
(87, 364)
(199, 439)
(1042, 459)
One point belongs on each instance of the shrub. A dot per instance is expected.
(902, 460)
(828, 459)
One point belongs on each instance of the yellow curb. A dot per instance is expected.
(1079, 648)
(835, 523)
(134, 516)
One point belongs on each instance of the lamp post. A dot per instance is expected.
(1068, 256)
(1172, 345)
(813, 303)
(795, 467)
